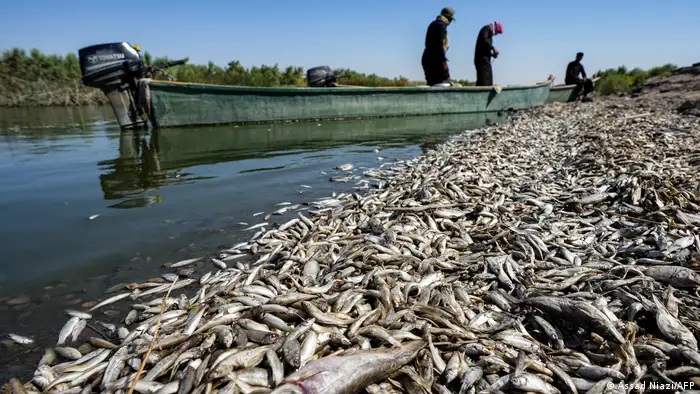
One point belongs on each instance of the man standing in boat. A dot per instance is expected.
(484, 51)
(436, 45)
(572, 77)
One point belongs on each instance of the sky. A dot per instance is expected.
(385, 37)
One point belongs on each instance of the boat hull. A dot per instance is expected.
(561, 94)
(183, 104)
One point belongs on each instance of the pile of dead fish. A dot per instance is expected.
(553, 254)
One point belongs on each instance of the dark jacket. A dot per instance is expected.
(435, 40)
(572, 71)
(484, 45)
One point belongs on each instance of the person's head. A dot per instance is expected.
(448, 13)
(497, 28)
(579, 56)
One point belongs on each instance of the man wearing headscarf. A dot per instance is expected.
(484, 51)
(572, 77)
(436, 45)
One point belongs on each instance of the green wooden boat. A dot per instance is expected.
(186, 104)
(563, 93)
(119, 71)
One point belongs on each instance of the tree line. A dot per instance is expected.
(38, 79)
(270, 76)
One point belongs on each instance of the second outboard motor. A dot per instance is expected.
(115, 69)
(321, 77)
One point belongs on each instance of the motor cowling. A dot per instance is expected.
(109, 65)
(320, 77)
(116, 69)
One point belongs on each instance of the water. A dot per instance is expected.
(160, 197)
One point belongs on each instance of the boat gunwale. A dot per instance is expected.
(212, 88)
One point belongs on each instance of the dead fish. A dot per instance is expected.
(185, 262)
(672, 328)
(68, 352)
(78, 314)
(219, 264)
(20, 340)
(110, 300)
(48, 358)
(340, 374)
(253, 227)
(67, 330)
(527, 257)
(344, 167)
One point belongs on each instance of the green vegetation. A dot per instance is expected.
(37, 79)
(233, 74)
(236, 74)
(620, 80)
(353, 78)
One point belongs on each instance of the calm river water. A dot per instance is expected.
(160, 197)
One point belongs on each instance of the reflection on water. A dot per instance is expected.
(136, 170)
(148, 161)
(45, 122)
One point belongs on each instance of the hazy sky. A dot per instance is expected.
(381, 36)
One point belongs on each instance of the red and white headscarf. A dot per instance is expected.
(497, 28)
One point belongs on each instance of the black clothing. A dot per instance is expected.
(484, 45)
(434, 60)
(435, 71)
(572, 71)
(484, 73)
(586, 85)
(435, 38)
(572, 78)
(482, 57)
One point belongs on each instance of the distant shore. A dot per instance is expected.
(16, 92)
(35, 79)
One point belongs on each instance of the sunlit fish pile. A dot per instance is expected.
(554, 254)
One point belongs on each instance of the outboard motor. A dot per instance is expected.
(115, 68)
(118, 70)
(321, 77)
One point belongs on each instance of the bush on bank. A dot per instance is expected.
(621, 80)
